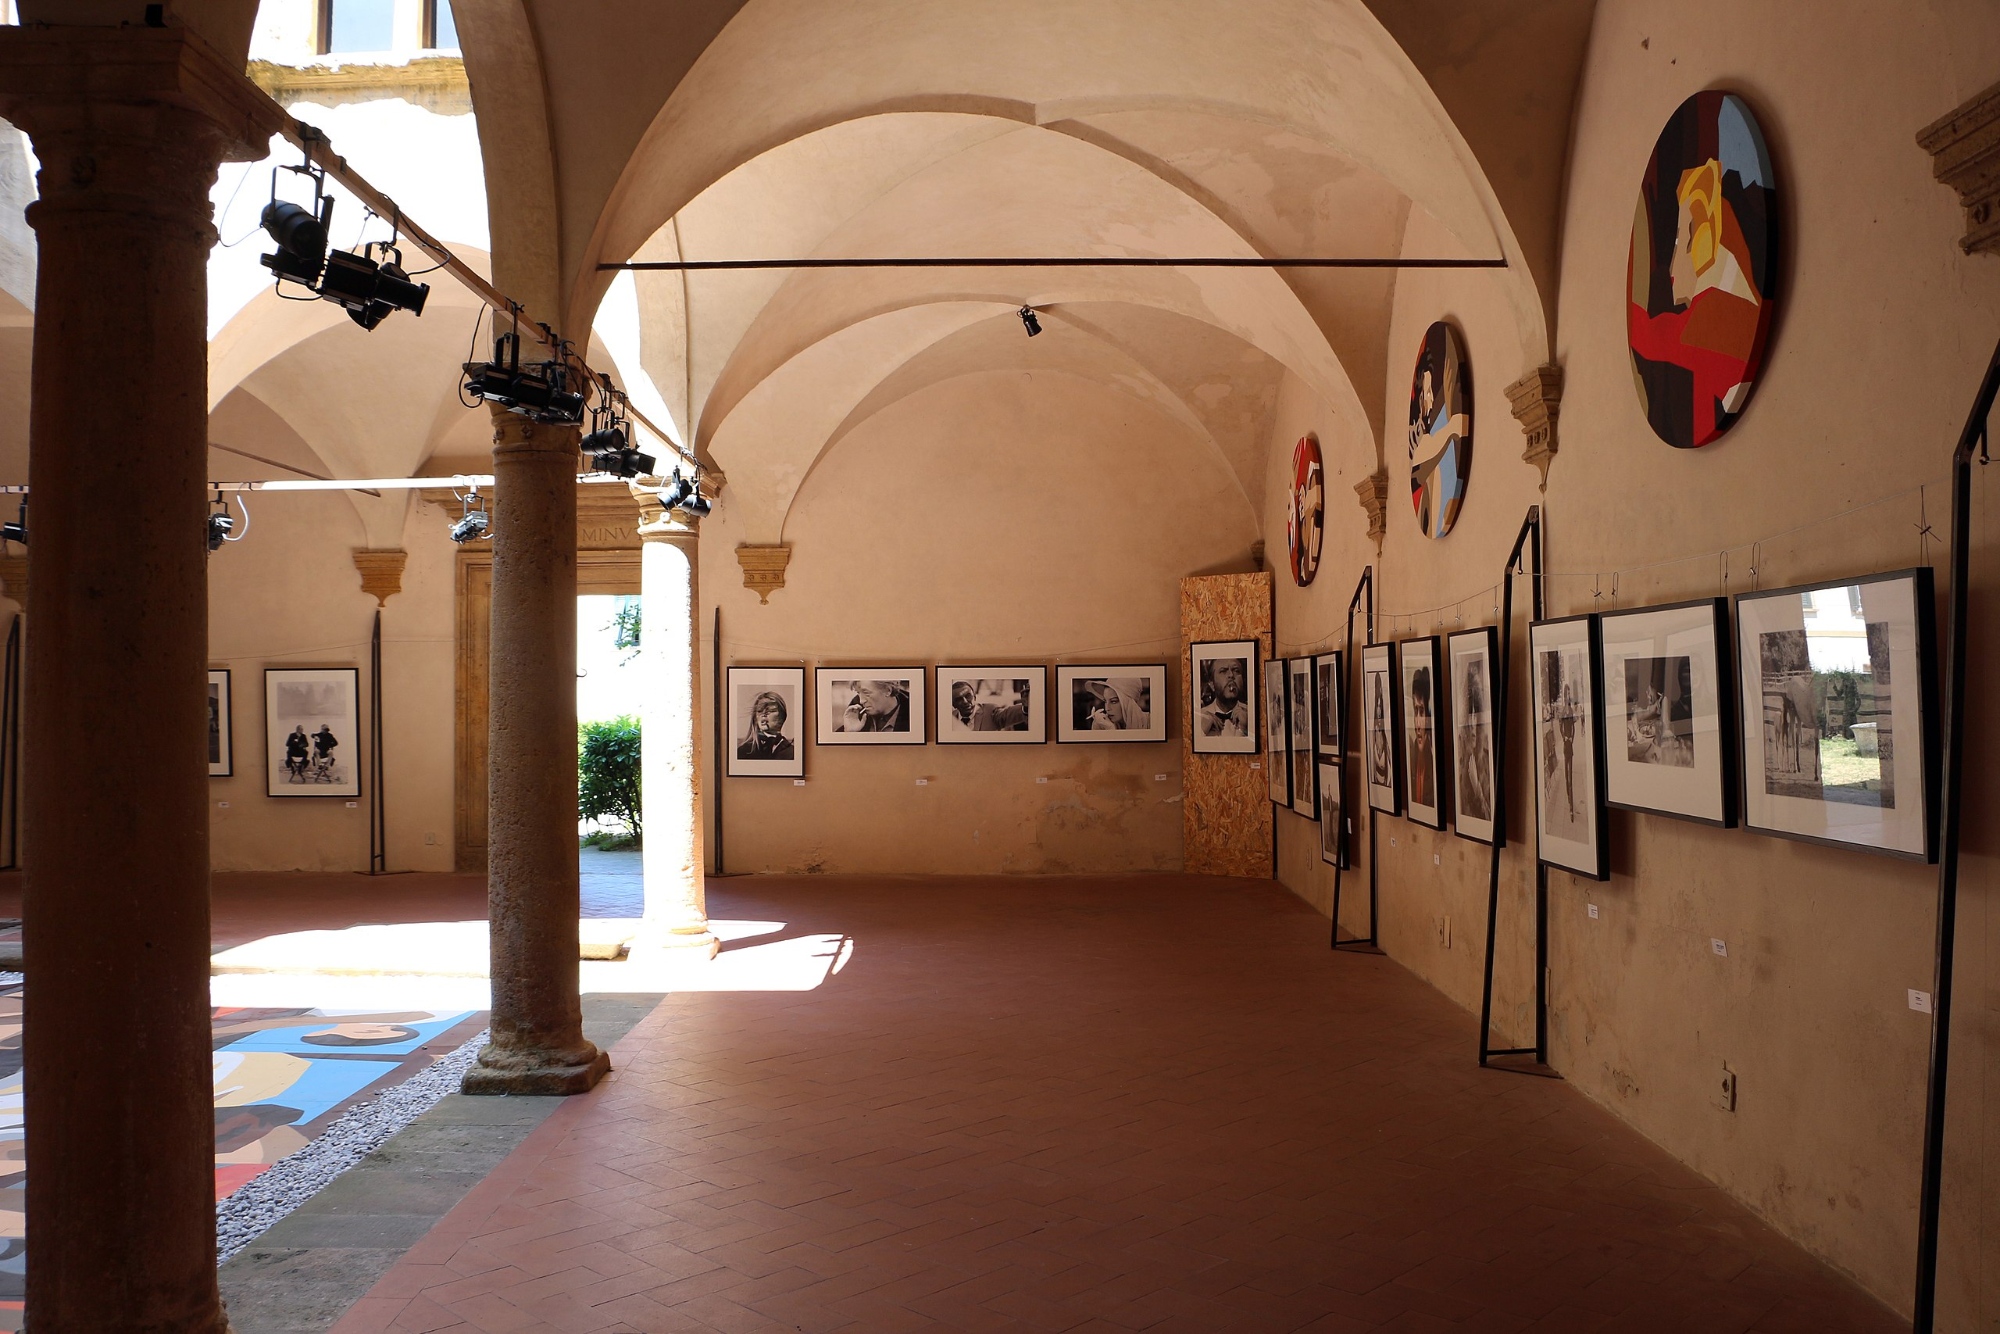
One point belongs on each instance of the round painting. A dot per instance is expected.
(1702, 269)
(1306, 519)
(1440, 430)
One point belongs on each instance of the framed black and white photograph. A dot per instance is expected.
(1222, 697)
(312, 731)
(1839, 712)
(221, 732)
(988, 706)
(1668, 718)
(1332, 833)
(766, 722)
(1121, 703)
(1328, 682)
(1476, 798)
(1565, 684)
(869, 706)
(1423, 743)
(1299, 700)
(1381, 717)
(1277, 734)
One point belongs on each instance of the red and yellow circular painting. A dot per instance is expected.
(1702, 270)
(1305, 519)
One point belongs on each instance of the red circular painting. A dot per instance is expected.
(1702, 270)
(1305, 519)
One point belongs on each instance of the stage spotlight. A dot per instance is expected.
(538, 392)
(696, 505)
(676, 491)
(301, 239)
(219, 526)
(370, 291)
(474, 522)
(17, 531)
(1029, 321)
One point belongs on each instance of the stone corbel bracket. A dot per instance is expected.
(764, 566)
(1964, 145)
(1536, 399)
(1373, 491)
(381, 572)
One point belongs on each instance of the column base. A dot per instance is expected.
(521, 1074)
(691, 942)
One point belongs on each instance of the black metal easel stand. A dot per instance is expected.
(378, 808)
(1515, 1060)
(1931, 1196)
(1360, 944)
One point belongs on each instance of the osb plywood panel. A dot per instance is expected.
(1226, 810)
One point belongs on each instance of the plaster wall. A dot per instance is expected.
(1016, 516)
(1882, 334)
(288, 595)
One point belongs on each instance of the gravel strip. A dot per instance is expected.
(358, 1132)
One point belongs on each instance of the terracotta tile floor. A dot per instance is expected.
(1102, 1105)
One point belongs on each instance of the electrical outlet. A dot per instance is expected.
(1725, 1090)
(1593, 910)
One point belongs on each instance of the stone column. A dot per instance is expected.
(670, 767)
(532, 894)
(130, 125)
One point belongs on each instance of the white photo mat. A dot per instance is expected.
(1667, 720)
(312, 731)
(992, 705)
(221, 733)
(1565, 705)
(1477, 802)
(1833, 686)
(765, 722)
(1118, 702)
(870, 705)
(1219, 723)
(1329, 681)
(1381, 761)
(1422, 740)
(1277, 739)
(1299, 701)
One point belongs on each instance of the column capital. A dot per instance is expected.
(381, 570)
(515, 435)
(1964, 145)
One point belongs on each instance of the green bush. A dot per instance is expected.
(607, 772)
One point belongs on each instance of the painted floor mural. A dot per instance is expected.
(281, 1076)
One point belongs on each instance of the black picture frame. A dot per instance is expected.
(1922, 628)
(1202, 741)
(326, 695)
(1546, 711)
(1061, 697)
(1329, 689)
(1304, 751)
(1275, 700)
(953, 731)
(1411, 655)
(1332, 814)
(830, 683)
(1464, 752)
(1712, 615)
(786, 756)
(221, 725)
(1381, 739)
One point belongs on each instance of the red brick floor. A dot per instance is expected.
(1088, 1104)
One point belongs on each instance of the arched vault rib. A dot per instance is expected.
(1325, 70)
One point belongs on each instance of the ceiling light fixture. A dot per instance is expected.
(609, 442)
(221, 526)
(540, 392)
(1029, 321)
(369, 285)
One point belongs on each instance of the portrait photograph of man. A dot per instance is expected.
(1222, 704)
(870, 706)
